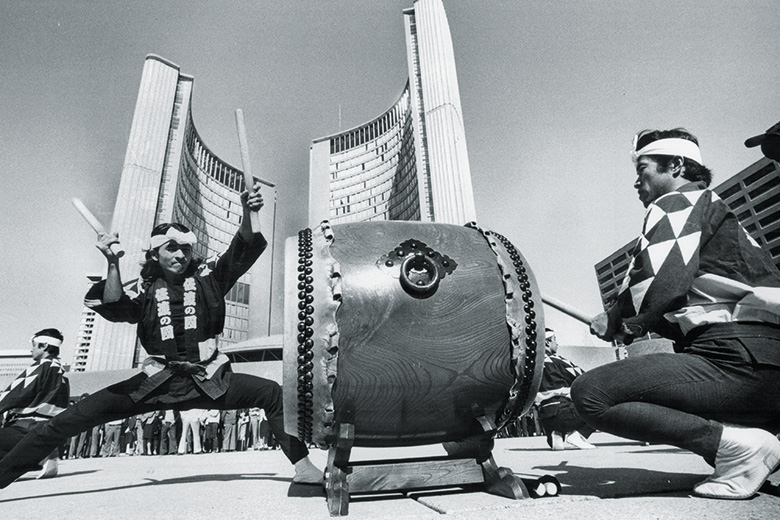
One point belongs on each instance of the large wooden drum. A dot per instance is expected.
(415, 333)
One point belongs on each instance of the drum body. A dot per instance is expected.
(410, 331)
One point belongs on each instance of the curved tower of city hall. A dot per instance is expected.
(410, 162)
(170, 175)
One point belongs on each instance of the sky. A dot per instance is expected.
(552, 94)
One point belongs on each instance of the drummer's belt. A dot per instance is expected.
(185, 367)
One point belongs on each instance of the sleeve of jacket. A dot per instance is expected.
(666, 259)
(127, 309)
(236, 260)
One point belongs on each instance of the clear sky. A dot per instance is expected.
(552, 93)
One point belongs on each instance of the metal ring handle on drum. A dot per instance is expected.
(419, 275)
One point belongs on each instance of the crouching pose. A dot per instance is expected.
(699, 279)
(179, 308)
(39, 393)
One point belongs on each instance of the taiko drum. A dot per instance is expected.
(412, 332)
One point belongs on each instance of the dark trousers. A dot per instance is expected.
(13, 433)
(168, 439)
(682, 399)
(112, 403)
(111, 441)
(559, 415)
(94, 443)
(83, 443)
(210, 437)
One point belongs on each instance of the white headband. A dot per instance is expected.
(670, 146)
(48, 340)
(174, 234)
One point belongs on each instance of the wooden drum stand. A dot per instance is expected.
(468, 462)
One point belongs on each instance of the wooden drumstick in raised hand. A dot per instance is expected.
(95, 224)
(249, 180)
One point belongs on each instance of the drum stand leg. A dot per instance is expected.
(469, 461)
(336, 482)
(497, 480)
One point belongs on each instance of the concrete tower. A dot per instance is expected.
(170, 175)
(411, 162)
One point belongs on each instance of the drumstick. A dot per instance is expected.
(249, 181)
(95, 224)
(566, 309)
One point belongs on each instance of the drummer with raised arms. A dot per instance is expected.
(178, 305)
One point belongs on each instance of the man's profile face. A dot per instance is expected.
(551, 345)
(651, 181)
(38, 350)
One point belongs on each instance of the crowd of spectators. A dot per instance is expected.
(170, 432)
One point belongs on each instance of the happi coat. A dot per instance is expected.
(694, 266)
(40, 392)
(177, 325)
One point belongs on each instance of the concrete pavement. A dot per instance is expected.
(620, 480)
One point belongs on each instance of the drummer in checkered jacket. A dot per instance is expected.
(39, 393)
(699, 279)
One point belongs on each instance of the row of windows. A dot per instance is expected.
(395, 165)
(726, 192)
(211, 240)
(211, 211)
(204, 210)
(398, 190)
(372, 130)
(379, 179)
(344, 160)
(358, 183)
(397, 187)
(234, 323)
(378, 186)
(232, 309)
(234, 336)
(224, 206)
(272, 354)
(343, 167)
(617, 266)
(365, 164)
(408, 205)
(770, 219)
(403, 207)
(210, 163)
(239, 293)
(222, 214)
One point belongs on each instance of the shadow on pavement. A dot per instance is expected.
(163, 482)
(770, 489)
(597, 444)
(305, 490)
(620, 482)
